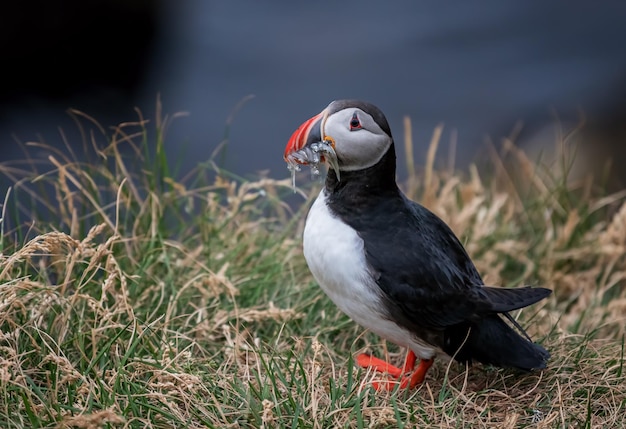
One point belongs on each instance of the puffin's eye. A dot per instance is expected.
(355, 124)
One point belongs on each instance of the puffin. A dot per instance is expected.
(393, 266)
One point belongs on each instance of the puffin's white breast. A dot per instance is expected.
(335, 255)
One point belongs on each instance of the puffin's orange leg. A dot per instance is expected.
(420, 373)
(379, 365)
(409, 361)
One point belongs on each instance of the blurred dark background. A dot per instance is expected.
(482, 68)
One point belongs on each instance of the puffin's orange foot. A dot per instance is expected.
(399, 374)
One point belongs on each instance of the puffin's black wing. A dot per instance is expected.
(431, 287)
(427, 277)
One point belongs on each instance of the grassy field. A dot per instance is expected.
(143, 300)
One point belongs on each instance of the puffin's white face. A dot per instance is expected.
(359, 141)
(346, 134)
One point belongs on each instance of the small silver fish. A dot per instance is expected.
(312, 155)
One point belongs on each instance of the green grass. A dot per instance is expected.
(143, 300)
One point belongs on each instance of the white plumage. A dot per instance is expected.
(335, 255)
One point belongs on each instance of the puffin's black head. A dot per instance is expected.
(357, 131)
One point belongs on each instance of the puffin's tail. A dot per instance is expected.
(492, 341)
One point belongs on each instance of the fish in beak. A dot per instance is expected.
(309, 146)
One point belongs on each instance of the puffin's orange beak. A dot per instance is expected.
(306, 134)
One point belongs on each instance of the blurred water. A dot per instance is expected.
(479, 67)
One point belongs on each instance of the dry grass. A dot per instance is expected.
(147, 301)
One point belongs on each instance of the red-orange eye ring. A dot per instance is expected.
(355, 123)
